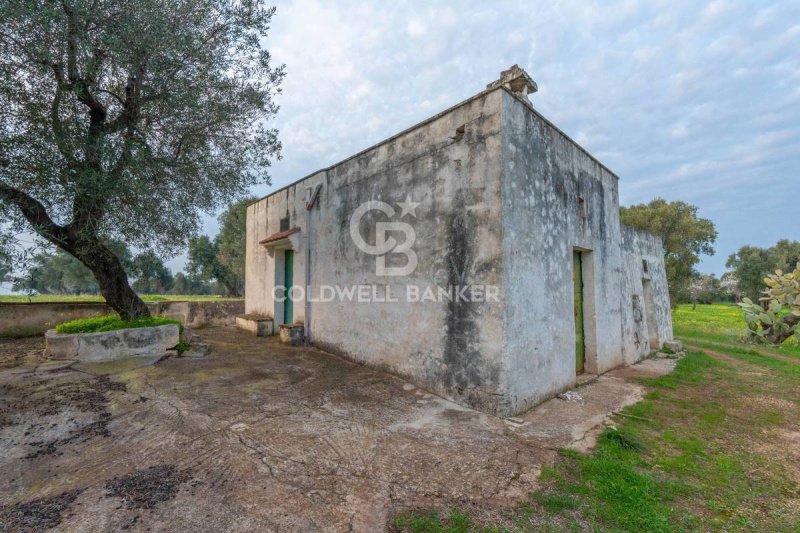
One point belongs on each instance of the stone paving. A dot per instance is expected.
(258, 436)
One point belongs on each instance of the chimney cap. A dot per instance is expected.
(516, 80)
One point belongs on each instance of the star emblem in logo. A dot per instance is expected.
(409, 207)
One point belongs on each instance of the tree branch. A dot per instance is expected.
(55, 118)
(36, 215)
(112, 93)
(79, 84)
(72, 44)
(131, 106)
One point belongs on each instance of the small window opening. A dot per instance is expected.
(644, 266)
(582, 208)
(460, 131)
(284, 224)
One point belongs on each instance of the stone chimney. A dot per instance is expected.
(517, 81)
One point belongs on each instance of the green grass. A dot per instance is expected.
(716, 319)
(112, 322)
(704, 451)
(452, 521)
(753, 355)
(723, 323)
(53, 298)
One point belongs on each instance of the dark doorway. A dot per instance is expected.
(650, 315)
(288, 275)
(577, 279)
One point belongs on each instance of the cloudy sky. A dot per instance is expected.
(683, 100)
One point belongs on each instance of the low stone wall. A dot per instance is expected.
(200, 314)
(31, 319)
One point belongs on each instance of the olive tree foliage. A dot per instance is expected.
(122, 119)
(57, 272)
(222, 259)
(231, 242)
(183, 284)
(686, 237)
(6, 257)
(751, 264)
(152, 276)
(768, 320)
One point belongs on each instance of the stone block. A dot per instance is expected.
(60, 346)
(292, 334)
(112, 345)
(258, 325)
(674, 346)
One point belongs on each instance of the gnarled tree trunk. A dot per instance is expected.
(87, 248)
(111, 278)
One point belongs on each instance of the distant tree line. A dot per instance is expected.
(751, 264)
(687, 236)
(215, 266)
(745, 278)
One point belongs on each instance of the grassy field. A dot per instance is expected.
(714, 446)
(42, 298)
(721, 324)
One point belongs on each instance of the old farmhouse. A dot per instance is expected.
(479, 254)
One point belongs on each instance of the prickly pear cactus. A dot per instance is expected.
(777, 315)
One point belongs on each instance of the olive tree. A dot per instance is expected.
(124, 118)
(222, 259)
(752, 263)
(686, 237)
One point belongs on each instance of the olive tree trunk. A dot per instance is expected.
(111, 279)
(87, 247)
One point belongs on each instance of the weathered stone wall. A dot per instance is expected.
(504, 199)
(200, 314)
(640, 248)
(557, 198)
(453, 349)
(31, 319)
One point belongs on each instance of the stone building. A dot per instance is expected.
(478, 253)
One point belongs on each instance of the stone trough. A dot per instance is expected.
(258, 325)
(112, 345)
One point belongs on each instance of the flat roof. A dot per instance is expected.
(430, 119)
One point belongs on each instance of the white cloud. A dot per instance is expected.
(679, 130)
(682, 99)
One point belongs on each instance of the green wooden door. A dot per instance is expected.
(288, 275)
(577, 279)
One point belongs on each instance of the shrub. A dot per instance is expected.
(113, 322)
(769, 321)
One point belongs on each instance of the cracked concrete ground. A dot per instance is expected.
(259, 436)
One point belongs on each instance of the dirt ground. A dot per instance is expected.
(259, 436)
